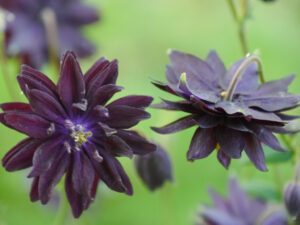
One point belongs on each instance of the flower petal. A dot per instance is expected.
(70, 86)
(123, 117)
(28, 123)
(45, 155)
(216, 64)
(83, 174)
(202, 144)
(46, 106)
(199, 73)
(231, 141)
(15, 106)
(116, 146)
(266, 137)
(107, 75)
(223, 159)
(49, 179)
(255, 152)
(98, 66)
(178, 125)
(20, 156)
(38, 76)
(137, 143)
(184, 106)
(34, 192)
(103, 94)
(207, 121)
(137, 101)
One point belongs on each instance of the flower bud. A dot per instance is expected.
(154, 168)
(292, 198)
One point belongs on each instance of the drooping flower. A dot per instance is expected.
(231, 110)
(292, 198)
(25, 31)
(239, 209)
(71, 129)
(155, 168)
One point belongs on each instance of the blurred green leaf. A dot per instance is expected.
(273, 156)
(262, 190)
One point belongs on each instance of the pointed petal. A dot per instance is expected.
(117, 146)
(123, 117)
(255, 152)
(137, 143)
(38, 76)
(202, 144)
(71, 86)
(15, 106)
(216, 64)
(199, 73)
(104, 93)
(109, 170)
(207, 121)
(98, 66)
(28, 83)
(45, 156)
(223, 159)
(28, 123)
(107, 75)
(178, 125)
(83, 174)
(34, 193)
(231, 141)
(171, 76)
(49, 179)
(46, 106)
(266, 137)
(20, 156)
(275, 86)
(137, 101)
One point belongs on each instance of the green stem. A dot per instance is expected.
(278, 180)
(63, 211)
(232, 9)
(6, 73)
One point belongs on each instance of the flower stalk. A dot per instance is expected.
(230, 91)
(50, 23)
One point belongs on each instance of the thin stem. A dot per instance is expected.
(232, 9)
(6, 73)
(242, 38)
(63, 210)
(278, 180)
(230, 91)
(50, 23)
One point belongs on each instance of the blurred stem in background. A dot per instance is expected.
(240, 19)
(50, 23)
(6, 72)
(63, 208)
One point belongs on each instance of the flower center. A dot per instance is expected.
(78, 134)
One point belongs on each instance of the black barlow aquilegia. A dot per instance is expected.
(231, 110)
(71, 129)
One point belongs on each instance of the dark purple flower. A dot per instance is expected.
(154, 168)
(26, 34)
(239, 209)
(292, 198)
(242, 122)
(73, 130)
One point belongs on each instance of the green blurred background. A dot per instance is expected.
(138, 33)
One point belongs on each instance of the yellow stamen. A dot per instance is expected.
(80, 137)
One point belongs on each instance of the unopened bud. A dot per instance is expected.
(154, 168)
(292, 198)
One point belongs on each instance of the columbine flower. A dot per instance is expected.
(154, 168)
(239, 209)
(71, 130)
(292, 198)
(231, 110)
(26, 34)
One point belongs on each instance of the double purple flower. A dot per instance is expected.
(229, 118)
(25, 31)
(73, 130)
(239, 209)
